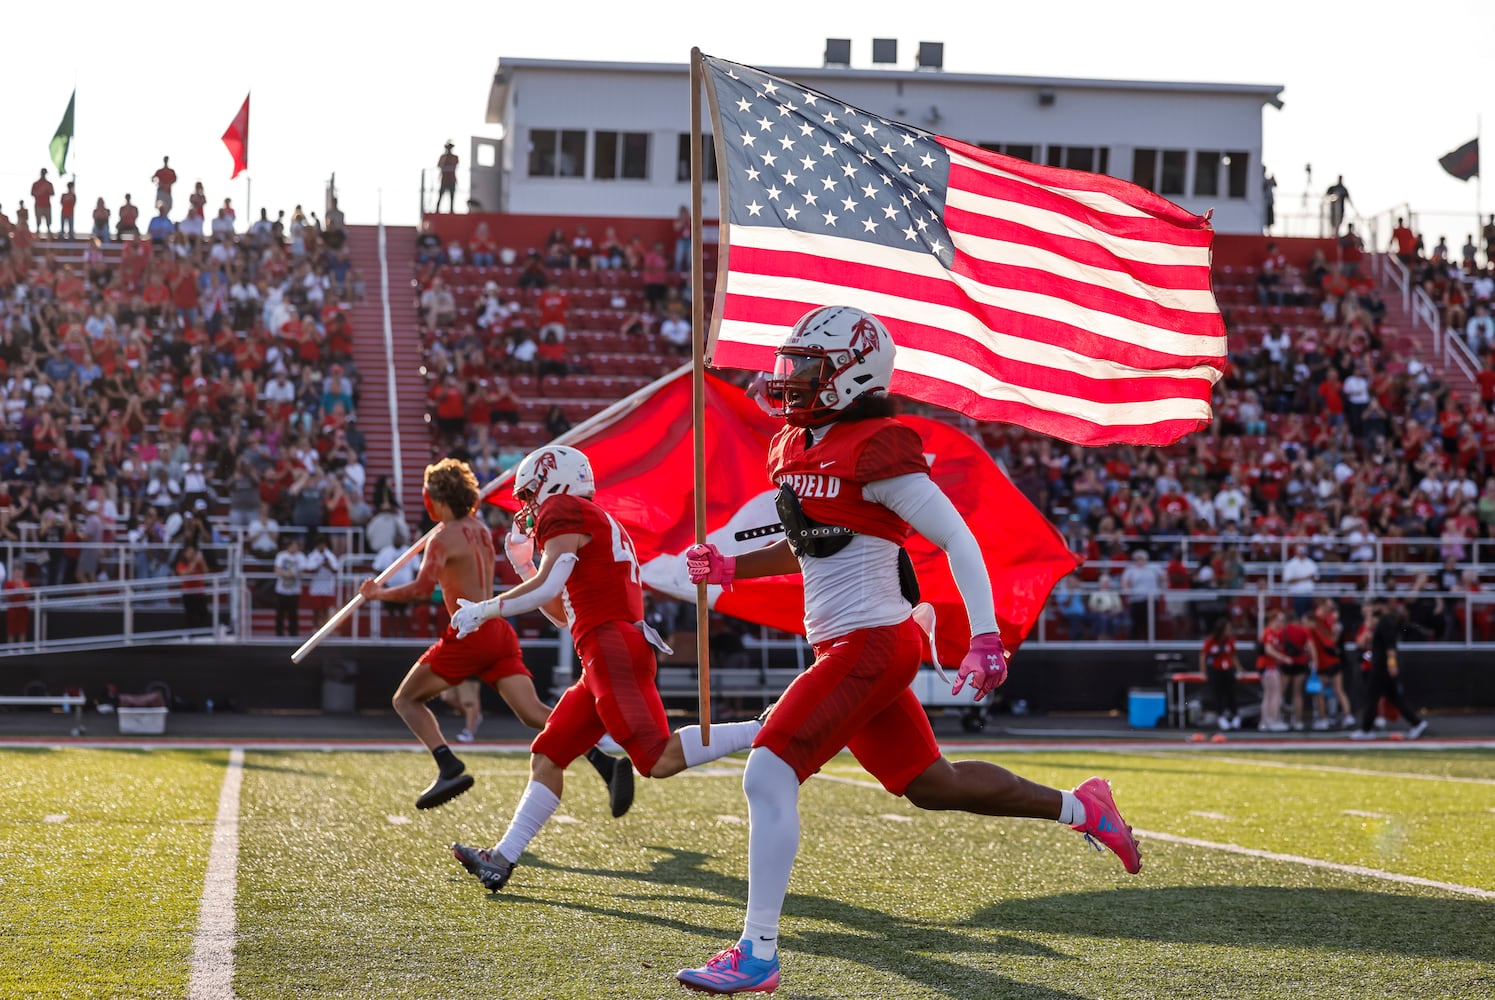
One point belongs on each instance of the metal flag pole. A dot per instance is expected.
(598, 420)
(698, 395)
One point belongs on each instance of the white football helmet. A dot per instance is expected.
(547, 472)
(834, 355)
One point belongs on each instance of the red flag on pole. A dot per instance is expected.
(237, 139)
(643, 466)
(1070, 303)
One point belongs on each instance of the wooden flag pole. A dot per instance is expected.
(698, 395)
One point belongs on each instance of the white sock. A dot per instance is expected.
(726, 738)
(535, 807)
(1072, 811)
(772, 790)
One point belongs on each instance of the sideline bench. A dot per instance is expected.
(680, 684)
(67, 702)
(1176, 706)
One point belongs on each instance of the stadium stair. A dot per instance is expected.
(376, 417)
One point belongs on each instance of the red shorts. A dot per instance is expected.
(856, 695)
(615, 694)
(488, 655)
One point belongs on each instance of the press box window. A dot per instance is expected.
(620, 155)
(557, 152)
(1016, 150)
(1094, 159)
(1160, 170)
(682, 158)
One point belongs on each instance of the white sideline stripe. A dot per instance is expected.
(213, 944)
(1250, 852)
(1333, 769)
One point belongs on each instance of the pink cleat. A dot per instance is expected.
(733, 971)
(1103, 823)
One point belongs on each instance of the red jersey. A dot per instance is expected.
(1269, 637)
(828, 476)
(1326, 630)
(604, 584)
(1295, 640)
(1219, 654)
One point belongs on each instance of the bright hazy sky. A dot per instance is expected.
(372, 91)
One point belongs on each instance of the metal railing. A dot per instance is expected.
(129, 605)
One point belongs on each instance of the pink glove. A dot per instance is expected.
(704, 564)
(985, 666)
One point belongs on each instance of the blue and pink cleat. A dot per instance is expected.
(733, 971)
(1103, 823)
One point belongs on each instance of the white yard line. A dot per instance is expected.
(1251, 852)
(213, 944)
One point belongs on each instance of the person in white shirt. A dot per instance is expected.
(1231, 503)
(1141, 582)
(1356, 391)
(290, 566)
(1299, 575)
(262, 537)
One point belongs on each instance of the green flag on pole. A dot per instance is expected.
(64, 137)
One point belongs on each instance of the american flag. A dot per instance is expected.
(1073, 304)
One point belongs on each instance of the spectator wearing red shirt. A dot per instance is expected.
(164, 177)
(1218, 663)
(1302, 658)
(451, 408)
(69, 206)
(1404, 242)
(554, 307)
(1270, 659)
(129, 218)
(41, 197)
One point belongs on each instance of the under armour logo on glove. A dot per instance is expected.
(706, 564)
(985, 666)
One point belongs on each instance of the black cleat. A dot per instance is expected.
(620, 787)
(488, 867)
(444, 789)
(618, 774)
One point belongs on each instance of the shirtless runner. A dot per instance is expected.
(459, 558)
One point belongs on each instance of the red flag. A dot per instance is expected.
(1073, 304)
(645, 478)
(1463, 162)
(237, 139)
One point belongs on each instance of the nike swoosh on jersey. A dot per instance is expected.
(826, 465)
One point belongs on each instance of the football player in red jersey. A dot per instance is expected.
(460, 560)
(588, 579)
(853, 480)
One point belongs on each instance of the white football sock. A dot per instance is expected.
(772, 790)
(726, 738)
(535, 807)
(1072, 811)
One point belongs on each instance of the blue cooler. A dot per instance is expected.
(1145, 708)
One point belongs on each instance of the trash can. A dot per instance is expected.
(339, 687)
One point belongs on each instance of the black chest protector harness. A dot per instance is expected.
(816, 540)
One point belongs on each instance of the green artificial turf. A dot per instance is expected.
(346, 891)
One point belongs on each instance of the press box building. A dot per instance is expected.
(613, 138)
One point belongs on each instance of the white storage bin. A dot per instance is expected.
(142, 721)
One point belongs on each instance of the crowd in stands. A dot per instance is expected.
(172, 384)
(502, 331)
